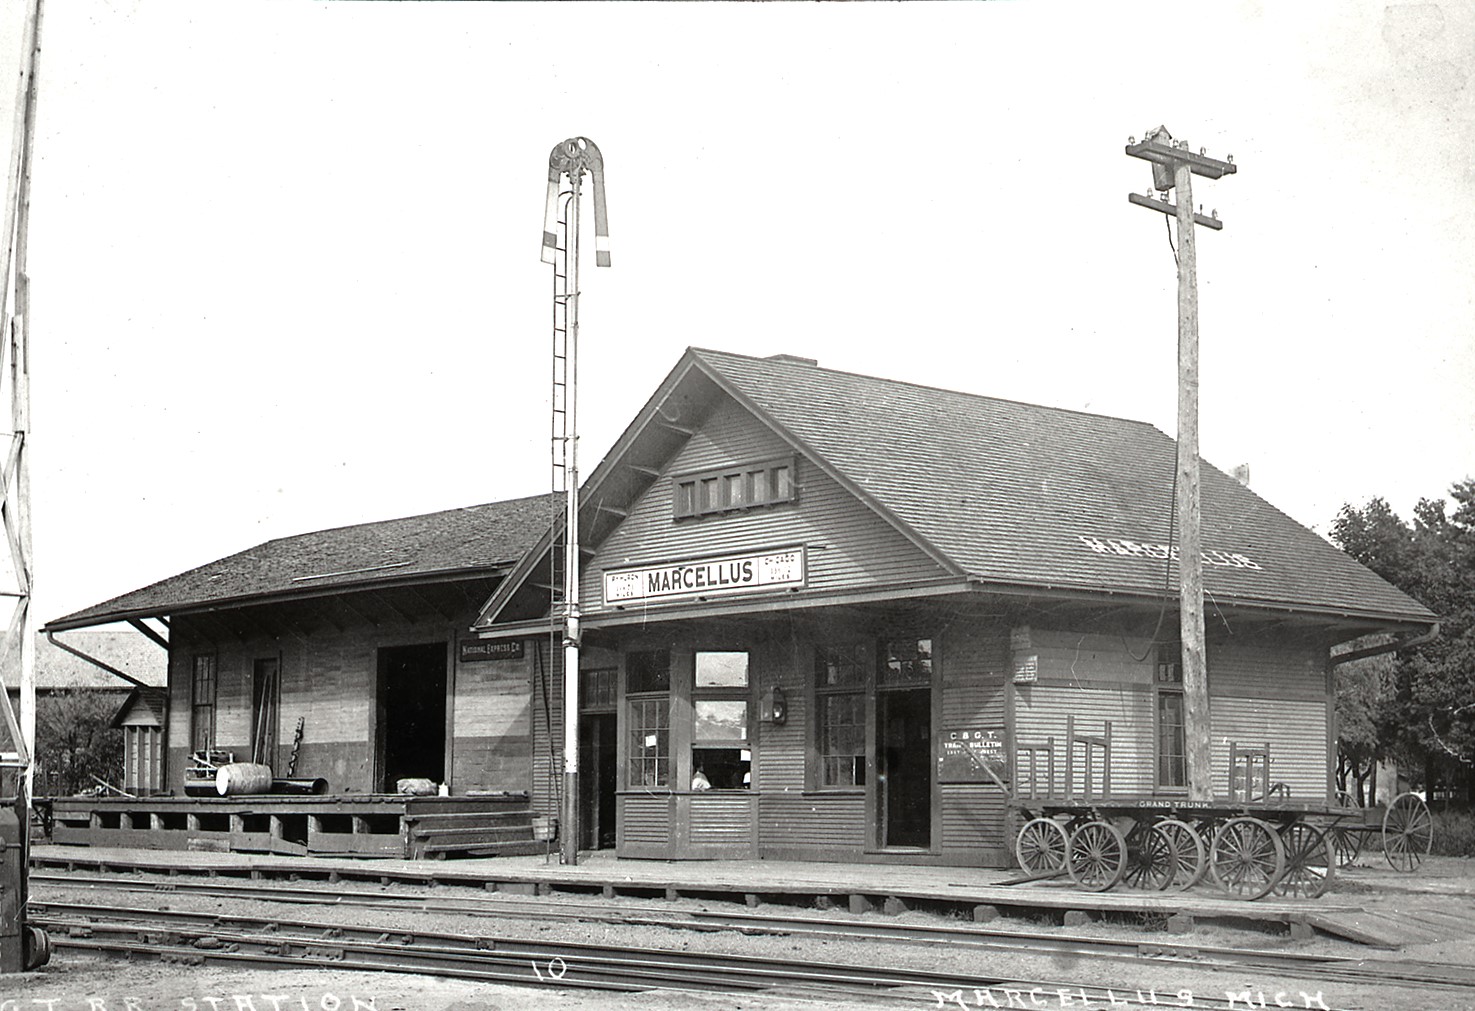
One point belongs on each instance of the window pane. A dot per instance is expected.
(780, 484)
(650, 742)
(842, 744)
(648, 671)
(724, 720)
(710, 502)
(721, 768)
(907, 660)
(839, 665)
(598, 689)
(1172, 762)
(733, 492)
(722, 670)
(686, 495)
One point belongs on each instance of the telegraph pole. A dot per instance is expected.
(1173, 168)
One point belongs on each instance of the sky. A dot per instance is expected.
(285, 271)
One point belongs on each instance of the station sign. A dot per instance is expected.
(719, 575)
(476, 650)
(972, 755)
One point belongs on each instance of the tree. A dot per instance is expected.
(1424, 713)
(75, 741)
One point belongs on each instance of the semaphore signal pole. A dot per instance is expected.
(570, 159)
(1173, 168)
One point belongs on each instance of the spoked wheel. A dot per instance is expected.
(1346, 844)
(1040, 846)
(1151, 859)
(1097, 856)
(1188, 851)
(1408, 831)
(1246, 857)
(1346, 840)
(1310, 861)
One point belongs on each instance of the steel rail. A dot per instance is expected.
(1001, 938)
(1331, 967)
(221, 938)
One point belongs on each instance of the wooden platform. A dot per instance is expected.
(359, 825)
(857, 887)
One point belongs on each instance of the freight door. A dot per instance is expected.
(411, 737)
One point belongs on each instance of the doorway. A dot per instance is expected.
(411, 707)
(904, 767)
(266, 704)
(597, 781)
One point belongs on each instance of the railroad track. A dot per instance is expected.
(995, 937)
(391, 945)
(195, 938)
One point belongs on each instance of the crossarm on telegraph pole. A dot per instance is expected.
(1173, 168)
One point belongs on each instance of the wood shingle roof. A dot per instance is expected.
(1022, 495)
(473, 540)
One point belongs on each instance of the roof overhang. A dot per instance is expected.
(187, 607)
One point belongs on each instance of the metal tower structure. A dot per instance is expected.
(17, 652)
(570, 159)
(22, 947)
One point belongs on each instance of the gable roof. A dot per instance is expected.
(471, 541)
(127, 650)
(1011, 496)
(1019, 494)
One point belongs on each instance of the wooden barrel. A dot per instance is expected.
(242, 777)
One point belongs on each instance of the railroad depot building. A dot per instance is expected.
(836, 617)
(826, 616)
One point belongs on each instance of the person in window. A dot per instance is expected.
(699, 781)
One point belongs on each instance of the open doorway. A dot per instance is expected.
(411, 704)
(904, 767)
(597, 781)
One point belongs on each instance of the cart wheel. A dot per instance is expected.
(1346, 844)
(1151, 859)
(1041, 845)
(1310, 861)
(1246, 857)
(1188, 850)
(1096, 856)
(1408, 831)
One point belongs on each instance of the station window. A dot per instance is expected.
(597, 690)
(721, 757)
(648, 699)
(906, 661)
(202, 703)
(840, 715)
(732, 489)
(1172, 760)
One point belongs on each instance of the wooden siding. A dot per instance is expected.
(329, 681)
(1263, 690)
(849, 545)
(972, 818)
(1268, 670)
(812, 822)
(644, 820)
(547, 725)
(1040, 712)
(492, 724)
(724, 820)
(975, 659)
(1295, 731)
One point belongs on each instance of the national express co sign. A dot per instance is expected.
(704, 577)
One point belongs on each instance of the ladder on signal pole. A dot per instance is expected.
(572, 158)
